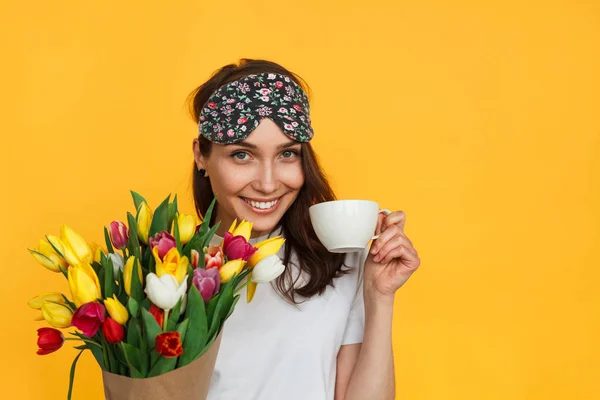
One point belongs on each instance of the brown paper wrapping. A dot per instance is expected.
(190, 382)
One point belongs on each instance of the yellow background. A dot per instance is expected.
(479, 119)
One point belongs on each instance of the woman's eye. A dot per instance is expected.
(240, 155)
(289, 153)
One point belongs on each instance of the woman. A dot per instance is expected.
(323, 329)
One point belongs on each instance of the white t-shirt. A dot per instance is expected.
(271, 350)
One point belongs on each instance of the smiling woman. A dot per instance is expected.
(300, 338)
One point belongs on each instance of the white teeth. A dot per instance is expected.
(261, 205)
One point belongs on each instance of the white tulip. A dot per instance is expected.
(117, 261)
(165, 291)
(267, 269)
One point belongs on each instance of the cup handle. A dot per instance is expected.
(386, 212)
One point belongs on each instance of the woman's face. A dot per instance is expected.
(256, 179)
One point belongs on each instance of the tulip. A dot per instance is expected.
(38, 301)
(187, 227)
(84, 284)
(117, 262)
(243, 229)
(158, 314)
(48, 257)
(75, 249)
(119, 234)
(230, 269)
(267, 269)
(168, 344)
(265, 248)
(213, 257)
(194, 258)
(112, 331)
(128, 273)
(207, 281)
(96, 251)
(57, 315)
(165, 291)
(236, 247)
(116, 310)
(144, 221)
(173, 263)
(164, 241)
(49, 340)
(250, 288)
(89, 317)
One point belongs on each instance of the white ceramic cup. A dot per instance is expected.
(345, 226)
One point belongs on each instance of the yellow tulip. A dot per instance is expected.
(38, 301)
(57, 315)
(84, 284)
(250, 289)
(116, 310)
(265, 248)
(128, 273)
(187, 227)
(48, 257)
(231, 268)
(144, 221)
(173, 264)
(76, 249)
(243, 229)
(96, 251)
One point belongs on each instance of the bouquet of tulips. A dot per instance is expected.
(150, 307)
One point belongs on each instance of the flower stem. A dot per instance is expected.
(166, 320)
(242, 286)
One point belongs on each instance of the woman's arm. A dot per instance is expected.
(366, 371)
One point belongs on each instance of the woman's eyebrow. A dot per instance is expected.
(253, 146)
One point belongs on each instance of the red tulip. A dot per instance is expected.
(49, 340)
(119, 234)
(168, 344)
(113, 331)
(236, 247)
(158, 315)
(164, 241)
(88, 318)
(213, 257)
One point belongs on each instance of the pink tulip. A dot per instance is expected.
(119, 234)
(164, 241)
(89, 318)
(236, 247)
(213, 258)
(207, 281)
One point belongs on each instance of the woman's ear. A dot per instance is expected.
(198, 158)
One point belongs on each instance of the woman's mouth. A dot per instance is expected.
(262, 207)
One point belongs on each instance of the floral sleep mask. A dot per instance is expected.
(234, 110)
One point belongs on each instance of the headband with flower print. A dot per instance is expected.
(234, 110)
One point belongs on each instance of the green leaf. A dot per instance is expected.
(133, 244)
(196, 315)
(133, 307)
(69, 302)
(151, 328)
(232, 307)
(222, 308)
(72, 375)
(162, 366)
(137, 199)
(160, 219)
(133, 332)
(207, 217)
(174, 316)
(55, 249)
(81, 347)
(134, 359)
(172, 211)
(97, 353)
(176, 236)
(113, 365)
(194, 243)
(182, 329)
(107, 241)
(212, 305)
(109, 279)
(209, 235)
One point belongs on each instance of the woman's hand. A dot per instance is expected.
(392, 258)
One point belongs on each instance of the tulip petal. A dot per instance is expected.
(231, 268)
(250, 289)
(77, 244)
(265, 248)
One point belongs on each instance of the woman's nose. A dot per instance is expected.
(266, 180)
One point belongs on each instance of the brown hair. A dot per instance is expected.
(314, 259)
